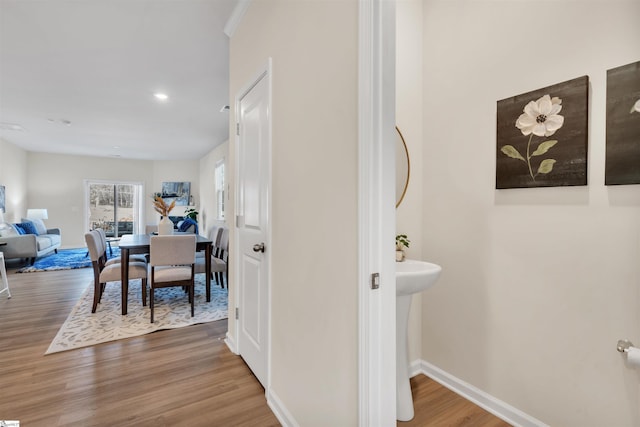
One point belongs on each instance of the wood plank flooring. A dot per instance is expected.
(182, 377)
(437, 406)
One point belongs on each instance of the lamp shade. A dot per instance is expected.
(37, 214)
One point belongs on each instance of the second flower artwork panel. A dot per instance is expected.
(542, 137)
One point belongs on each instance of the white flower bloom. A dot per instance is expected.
(541, 117)
(636, 107)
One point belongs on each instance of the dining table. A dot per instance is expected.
(141, 243)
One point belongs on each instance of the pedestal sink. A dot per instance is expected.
(411, 277)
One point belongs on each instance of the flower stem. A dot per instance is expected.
(529, 158)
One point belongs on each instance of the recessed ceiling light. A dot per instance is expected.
(161, 96)
(11, 126)
(224, 108)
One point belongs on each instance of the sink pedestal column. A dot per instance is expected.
(404, 399)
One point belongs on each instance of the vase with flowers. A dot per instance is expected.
(165, 226)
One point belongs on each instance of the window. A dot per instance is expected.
(219, 185)
(115, 207)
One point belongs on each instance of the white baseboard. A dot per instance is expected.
(230, 342)
(489, 403)
(280, 411)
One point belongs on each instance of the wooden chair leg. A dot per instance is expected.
(192, 297)
(144, 292)
(102, 288)
(151, 302)
(96, 296)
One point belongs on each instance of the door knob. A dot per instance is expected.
(258, 247)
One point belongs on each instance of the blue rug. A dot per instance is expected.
(65, 259)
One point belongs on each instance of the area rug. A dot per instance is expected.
(171, 310)
(65, 259)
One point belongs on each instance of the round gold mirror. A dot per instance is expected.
(403, 167)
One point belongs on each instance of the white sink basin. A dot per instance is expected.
(411, 277)
(415, 276)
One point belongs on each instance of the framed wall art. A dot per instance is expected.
(178, 191)
(622, 165)
(542, 137)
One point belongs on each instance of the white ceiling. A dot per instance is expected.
(97, 64)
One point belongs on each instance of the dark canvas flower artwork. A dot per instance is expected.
(622, 164)
(542, 137)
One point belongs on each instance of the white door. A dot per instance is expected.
(253, 145)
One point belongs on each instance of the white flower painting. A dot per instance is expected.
(542, 137)
(540, 118)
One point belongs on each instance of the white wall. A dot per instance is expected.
(409, 120)
(314, 214)
(538, 284)
(13, 175)
(56, 182)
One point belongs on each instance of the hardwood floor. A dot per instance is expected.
(438, 406)
(182, 377)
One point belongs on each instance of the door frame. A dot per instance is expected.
(264, 72)
(376, 213)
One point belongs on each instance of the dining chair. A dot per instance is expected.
(116, 260)
(219, 256)
(220, 263)
(214, 236)
(172, 260)
(102, 273)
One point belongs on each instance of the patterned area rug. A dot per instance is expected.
(65, 259)
(172, 310)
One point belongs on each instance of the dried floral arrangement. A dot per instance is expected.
(162, 207)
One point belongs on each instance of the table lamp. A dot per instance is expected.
(37, 214)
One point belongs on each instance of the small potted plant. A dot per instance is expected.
(401, 242)
(191, 213)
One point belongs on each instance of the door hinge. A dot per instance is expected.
(238, 129)
(375, 281)
(237, 313)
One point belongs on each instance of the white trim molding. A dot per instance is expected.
(497, 407)
(280, 411)
(376, 213)
(236, 17)
(231, 343)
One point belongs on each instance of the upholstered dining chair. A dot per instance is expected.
(135, 257)
(214, 236)
(219, 256)
(110, 273)
(172, 260)
(220, 263)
